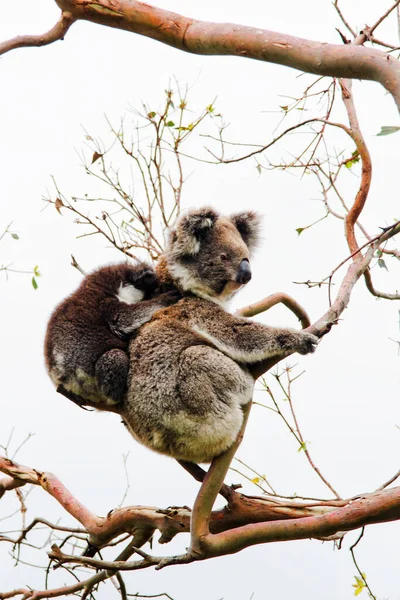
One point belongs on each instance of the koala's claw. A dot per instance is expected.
(307, 342)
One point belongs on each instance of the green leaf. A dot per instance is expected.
(382, 264)
(36, 271)
(303, 447)
(300, 230)
(151, 115)
(15, 236)
(170, 124)
(34, 283)
(388, 129)
(210, 108)
(352, 161)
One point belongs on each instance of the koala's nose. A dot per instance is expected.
(244, 272)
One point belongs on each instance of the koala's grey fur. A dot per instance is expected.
(88, 334)
(189, 377)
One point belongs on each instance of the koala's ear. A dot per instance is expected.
(191, 228)
(249, 226)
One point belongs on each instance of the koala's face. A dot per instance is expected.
(209, 255)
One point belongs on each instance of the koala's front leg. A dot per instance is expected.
(249, 342)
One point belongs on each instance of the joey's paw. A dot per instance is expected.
(169, 298)
(147, 280)
(307, 342)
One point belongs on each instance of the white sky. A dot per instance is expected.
(347, 401)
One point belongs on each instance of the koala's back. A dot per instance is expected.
(77, 335)
(184, 396)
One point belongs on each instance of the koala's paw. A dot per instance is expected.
(307, 342)
(169, 298)
(147, 280)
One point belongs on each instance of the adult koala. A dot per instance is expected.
(189, 376)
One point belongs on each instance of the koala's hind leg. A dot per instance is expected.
(111, 373)
(212, 390)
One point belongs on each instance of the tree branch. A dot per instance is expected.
(366, 170)
(9, 483)
(200, 522)
(200, 37)
(383, 17)
(364, 510)
(53, 35)
(374, 291)
(245, 521)
(266, 303)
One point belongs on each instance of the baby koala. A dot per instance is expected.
(88, 334)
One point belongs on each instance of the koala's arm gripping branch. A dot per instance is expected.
(246, 341)
(263, 305)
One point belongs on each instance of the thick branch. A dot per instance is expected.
(142, 521)
(200, 37)
(51, 484)
(378, 507)
(9, 483)
(201, 515)
(245, 521)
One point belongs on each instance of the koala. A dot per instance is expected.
(189, 375)
(88, 334)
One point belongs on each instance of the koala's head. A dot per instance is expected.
(143, 277)
(130, 283)
(209, 254)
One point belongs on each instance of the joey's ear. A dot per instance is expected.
(191, 228)
(249, 225)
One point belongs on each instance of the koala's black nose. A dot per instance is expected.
(244, 272)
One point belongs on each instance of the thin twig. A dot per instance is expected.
(362, 575)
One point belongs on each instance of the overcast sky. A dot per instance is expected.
(348, 399)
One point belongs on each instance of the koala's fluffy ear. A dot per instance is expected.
(191, 228)
(249, 225)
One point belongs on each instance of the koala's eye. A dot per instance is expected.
(224, 257)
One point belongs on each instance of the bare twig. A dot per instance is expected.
(361, 574)
(383, 17)
(303, 444)
(344, 21)
(389, 481)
